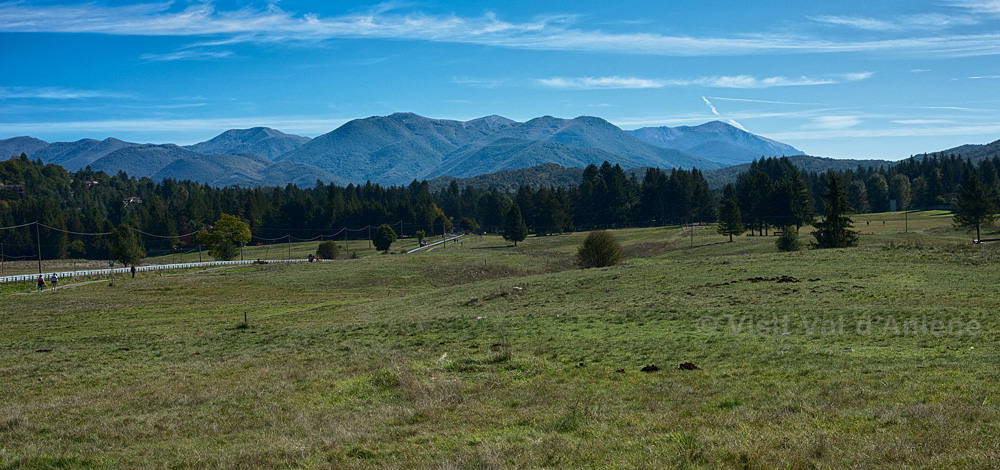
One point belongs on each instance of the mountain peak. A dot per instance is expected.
(263, 141)
(717, 141)
(493, 121)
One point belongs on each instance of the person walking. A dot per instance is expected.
(55, 280)
(133, 271)
(41, 283)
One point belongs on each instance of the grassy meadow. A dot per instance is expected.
(484, 355)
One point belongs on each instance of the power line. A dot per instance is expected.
(72, 232)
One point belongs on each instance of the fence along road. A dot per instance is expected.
(431, 245)
(126, 270)
(22, 278)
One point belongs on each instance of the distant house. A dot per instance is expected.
(133, 200)
(11, 189)
(92, 182)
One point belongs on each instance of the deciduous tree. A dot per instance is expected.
(225, 237)
(383, 238)
(125, 246)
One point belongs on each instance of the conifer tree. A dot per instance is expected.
(974, 206)
(730, 219)
(835, 229)
(514, 227)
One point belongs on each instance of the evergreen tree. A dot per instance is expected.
(974, 207)
(835, 229)
(800, 201)
(730, 219)
(514, 227)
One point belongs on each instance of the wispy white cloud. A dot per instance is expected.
(272, 24)
(927, 21)
(957, 108)
(733, 81)
(747, 100)
(57, 93)
(710, 106)
(187, 54)
(835, 122)
(737, 125)
(480, 82)
(979, 6)
(919, 70)
(904, 131)
(985, 77)
(748, 81)
(600, 83)
(920, 122)
(208, 127)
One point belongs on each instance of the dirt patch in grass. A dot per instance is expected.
(456, 275)
(645, 249)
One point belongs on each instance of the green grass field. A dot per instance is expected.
(483, 355)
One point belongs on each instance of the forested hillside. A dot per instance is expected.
(76, 210)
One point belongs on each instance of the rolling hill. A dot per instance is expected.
(246, 169)
(15, 146)
(263, 141)
(401, 147)
(716, 141)
(973, 152)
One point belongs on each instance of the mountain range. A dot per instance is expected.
(716, 141)
(974, 152)
(402, 147)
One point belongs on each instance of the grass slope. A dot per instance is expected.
(488, 356)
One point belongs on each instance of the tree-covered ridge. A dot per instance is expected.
(92, 202)
(772, 193)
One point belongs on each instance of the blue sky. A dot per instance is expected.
(845, 79)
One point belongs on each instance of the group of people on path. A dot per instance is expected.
(54, 279)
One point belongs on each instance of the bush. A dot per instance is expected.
(599, 249)
(383, 238)
(789, 240)
(328, 250)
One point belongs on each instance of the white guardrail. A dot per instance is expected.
(20, 278)
(433, 244)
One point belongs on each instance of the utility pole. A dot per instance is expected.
(369, 236)
(38, 239)
(692, 234)
(1, 257)
(199, 252)
(444, 235)
(289, 246)
(400, 229)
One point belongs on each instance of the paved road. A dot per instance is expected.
(430, 245)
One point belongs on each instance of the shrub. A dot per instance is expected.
(789, 240)
(383, 238)
(598, 250)
(328, 250)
